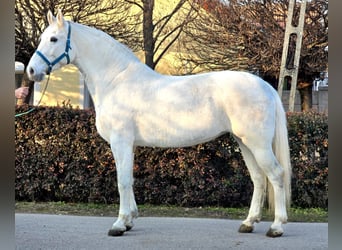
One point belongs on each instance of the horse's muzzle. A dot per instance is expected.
(34, 76)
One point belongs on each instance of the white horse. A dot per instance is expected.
(136, 106)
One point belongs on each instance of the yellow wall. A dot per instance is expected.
(63, 86)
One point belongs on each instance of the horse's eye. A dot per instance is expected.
(53, 39)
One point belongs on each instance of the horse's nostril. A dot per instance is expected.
(31, 70)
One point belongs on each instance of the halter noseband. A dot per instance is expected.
(58, 59)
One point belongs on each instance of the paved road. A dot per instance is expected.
(42, 231)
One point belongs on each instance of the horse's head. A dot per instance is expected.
(54, 49)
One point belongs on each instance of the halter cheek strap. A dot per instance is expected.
(58, 59)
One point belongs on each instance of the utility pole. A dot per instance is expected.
(293, 71)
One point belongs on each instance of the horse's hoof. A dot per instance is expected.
(274, 233)
(245, 229)
(115, 232)
(129, 227)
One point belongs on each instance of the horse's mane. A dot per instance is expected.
(127, 52)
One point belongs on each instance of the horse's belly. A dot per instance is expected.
(180, 140)
(180, 129)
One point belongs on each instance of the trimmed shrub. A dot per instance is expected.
(308, 138)
(61, 157)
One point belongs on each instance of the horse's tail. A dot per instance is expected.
(282, 152)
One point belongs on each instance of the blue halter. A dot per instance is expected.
(58, 59)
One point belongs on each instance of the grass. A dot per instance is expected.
(91, 209)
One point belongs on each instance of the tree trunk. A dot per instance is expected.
(305, 91)
(148, 29)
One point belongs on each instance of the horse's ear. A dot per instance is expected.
(60, 19)
(50, 17)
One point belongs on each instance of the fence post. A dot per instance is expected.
(87, 100)
(19, 73)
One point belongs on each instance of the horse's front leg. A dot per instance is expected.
(123, 154)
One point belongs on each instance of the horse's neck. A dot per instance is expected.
(101, 59)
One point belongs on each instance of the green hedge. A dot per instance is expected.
(308, 138)
(61, 157)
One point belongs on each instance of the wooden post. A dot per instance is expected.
(19, 73)
(87, 100)
(21, 80)
(284, 70)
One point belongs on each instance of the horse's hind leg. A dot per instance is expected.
(259, 182)
(273, 170)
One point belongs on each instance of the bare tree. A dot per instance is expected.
(212, 41)
(113, 17)
(248, 35)
(314, 54)
(118, 18)
(161, 32)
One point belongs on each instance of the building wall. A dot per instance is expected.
(319, 100)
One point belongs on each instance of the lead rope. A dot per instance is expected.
(41, 97)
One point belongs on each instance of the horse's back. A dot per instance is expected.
(240, 92)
